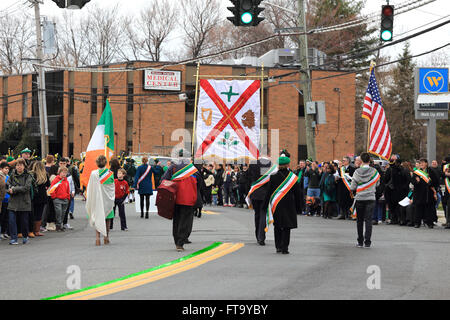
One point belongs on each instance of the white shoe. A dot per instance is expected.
(68, 227)
(380, 222)
(51, 226)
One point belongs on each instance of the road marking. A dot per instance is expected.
(194, 260)
(210, 212)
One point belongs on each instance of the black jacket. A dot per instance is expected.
(423, 194)
(255, 171)
(285, 215)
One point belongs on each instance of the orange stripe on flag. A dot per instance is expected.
(90, 165)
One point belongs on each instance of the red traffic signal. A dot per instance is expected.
(388, 11)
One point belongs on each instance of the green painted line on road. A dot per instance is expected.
(214, 245)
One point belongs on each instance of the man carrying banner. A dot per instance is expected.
(365, 180)
(258, 193)
(283, 204)
(184, 173)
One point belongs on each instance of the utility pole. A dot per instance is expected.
(41, 82)
(306, 77)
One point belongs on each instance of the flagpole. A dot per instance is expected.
(262, 109)
(372, 65)
(195, 108)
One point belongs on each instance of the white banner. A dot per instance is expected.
(228, 120)
(161, 80)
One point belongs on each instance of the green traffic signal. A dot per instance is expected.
(386, 35)
(246, 17)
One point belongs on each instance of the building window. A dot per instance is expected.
(71, 101)
(129, 146)
(130, 97)
(93, 100)
(24, 106)
(5, 108)
(105, 96)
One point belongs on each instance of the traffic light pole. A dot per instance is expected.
(306, 77)
(41, 83)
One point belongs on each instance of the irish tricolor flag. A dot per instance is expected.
(102, 143)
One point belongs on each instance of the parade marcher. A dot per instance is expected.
(365, 180)
(40, 198)
(122, 191)
(283, 204)
(100, 200)
(143, 184)
(439, 173)
(396, 181)
(4, 216)
(344, 193)
(259, 174)
(19, 205)
(183, 173)
(157, 172)
(244, 185)
(446, 197)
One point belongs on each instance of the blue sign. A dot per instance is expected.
(433, 80)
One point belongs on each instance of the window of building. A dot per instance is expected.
(71, 101)
(130, 97)
(93, 100)
(302, 152)
(130, 146)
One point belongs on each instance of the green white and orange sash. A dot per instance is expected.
(447, 184)
(344, 179)
(184, 173)
(260, 182)
(52, 189)
(422, 174)
(279, 194)
(373, 180)
(144, 175)
(106, 176)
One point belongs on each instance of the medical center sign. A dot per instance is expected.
(162, 80)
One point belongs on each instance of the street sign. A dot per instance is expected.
(433, 106)
(433, 80)
(428, 114)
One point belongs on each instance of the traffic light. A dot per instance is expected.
(245, 13)
(60, 3)
(387, 22)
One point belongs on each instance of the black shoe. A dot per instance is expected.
(341, 217)
(278, 250)
(142, 215)
(187, 241)
(146, 215)
(447, 227)
(71, 215)
(430, 226)
(261, 243)
(367, 246)
(285, 252)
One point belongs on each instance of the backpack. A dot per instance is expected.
(165, 198)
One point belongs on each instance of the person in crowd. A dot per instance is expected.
(63, 163)
(235, 186)
(218, 181)
(244, 185)
(259, 174)
(75, 174)
(300, 173)
(380, 203)
(424, 195)
(329, 192)
(4, 216)
(227, 186)
(208, 177)
(183, 173)
(410, 209)
(3, 180)
(446, 197)
(114, 166)
(344, 193)
(358, 162)
(121, 190)
(60, 193)
(100, 200)
(40, 198)
(143, 183)
(26, 155)
(444, 163)
(19, 205)
(396, 181)
(131, 172)
(157, 172)
(201, 190)
(287, 203)
(365, 180)
(214, 191)
(439, 173)
(313, 176)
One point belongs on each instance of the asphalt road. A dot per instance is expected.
(323, 262)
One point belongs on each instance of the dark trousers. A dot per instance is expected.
(66, 213)
(123, 220)
(227, 194)
(220, 196)
(21, 216)
(364, 214)
(242, 193)
(329, 209)
(147, 203)
(260, 220)
(38, 209)
(282, 238)
(183, 218)
(424, 212)
(207, 195)
(4, 218)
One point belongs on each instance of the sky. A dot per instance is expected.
(402, 23)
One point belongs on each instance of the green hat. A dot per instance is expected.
(25, 151)
(9, 159)
(180, 153)
(283, 160)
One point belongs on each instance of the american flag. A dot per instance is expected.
(380, 142)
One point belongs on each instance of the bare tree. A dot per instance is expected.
(16, 35)
(200, 18)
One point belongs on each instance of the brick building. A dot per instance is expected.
(144, 120)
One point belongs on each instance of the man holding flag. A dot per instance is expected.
(100, 183)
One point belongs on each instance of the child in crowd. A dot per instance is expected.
(122, 191)
(59, 191)
(214, 192)
(4, 218)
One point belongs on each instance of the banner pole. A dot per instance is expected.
(261, 137)
(372, 65)
(195, 109)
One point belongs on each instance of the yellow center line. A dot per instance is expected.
(140, 280)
